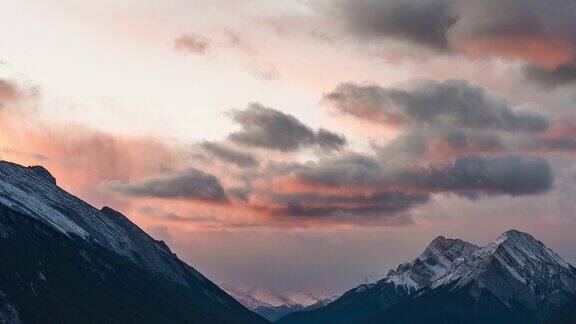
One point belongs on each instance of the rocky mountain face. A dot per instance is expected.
(566, 315)
(514, 279)
(66, 261)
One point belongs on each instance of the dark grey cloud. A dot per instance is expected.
(514, 19)
(350, 169)
(272, 129)
(481, 141)
(378, 204)
(193, 43)
(186, 184)
(229, 155)
(564, 74)
(545, 144)
(538, 31)
(511, 175)
(422, 22)
(450, 103)
(329, 141)
(359, 185)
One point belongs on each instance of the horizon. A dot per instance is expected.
(302, 145)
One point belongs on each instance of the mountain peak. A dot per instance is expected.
(41, 171)
(516, 255)
(433, 263)
(524, 247)
(439, 241)
(516, 235)
(445, 250)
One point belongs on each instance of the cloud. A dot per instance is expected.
(510, 175)
(193, 43)
(8, 92)
(260, 68)
(541, 32)
(199, 45)
(345, 188)
(186, 184)
(421, 22)
(12, 94)
(272, 129)
(446, 154)
(228, 155)
(375, 205)
(564, 74)
(329, 141)
(449, 103)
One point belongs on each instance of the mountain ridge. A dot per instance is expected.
(78, 253)
(273, 305)
(515, 276)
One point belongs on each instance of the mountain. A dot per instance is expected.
(271, 297)
(65, 261)
(514, 279)
(370, 299)
(273, 305)
(567, 315)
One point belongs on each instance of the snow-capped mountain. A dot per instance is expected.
(57, 250)
(273, 305)
(434, 263)
(370, 299)
(513, 279)
(245, 298)
(271, 297)
(517, 269)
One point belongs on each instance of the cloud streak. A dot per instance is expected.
(564, 74)
(450, 103)
(421, 22)
(193, 43)
(197, 44)
(541, 32)
(228, 155)
(186, 184)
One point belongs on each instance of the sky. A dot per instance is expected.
(301, 145)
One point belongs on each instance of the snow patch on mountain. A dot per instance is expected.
(525, 258)
(244, 298)
(33, 191)
(435, 262)
(270, 297)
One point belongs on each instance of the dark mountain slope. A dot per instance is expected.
(64, 261)
(567, 315)
(462, 306)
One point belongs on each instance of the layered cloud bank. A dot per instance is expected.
(452, 138)
(542, 32)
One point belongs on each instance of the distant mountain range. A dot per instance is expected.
(64, 261)
(513, 279)
(273, 305)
